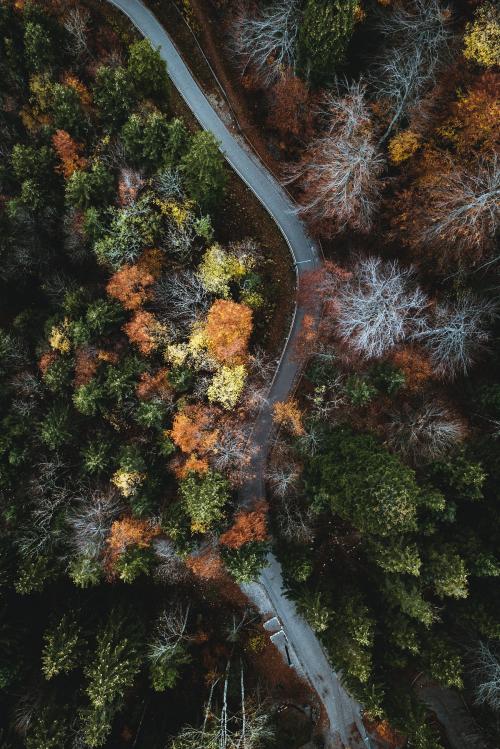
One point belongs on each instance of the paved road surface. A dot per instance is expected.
(309, 656)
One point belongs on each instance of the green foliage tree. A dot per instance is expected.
(204, 498)
(39, 49)
(447, 571)
(112, 670)
(90, 187)
(246, 562)
(351, 635)
(60, 649)
(147, 71)
(324, 35)
(146, 139)
(66, 110)
(444, 663)
(364, 484)
(203, 171)
(55, 429)
(113, 96)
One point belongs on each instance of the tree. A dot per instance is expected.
(324, 34)
(60, 650)
(113, 96)
(426, 432)
(66, 109)
(145, 331)
(445, 664)
(418, 38)
(38, 47)
(182, 299)
(76, 24)
(364, 484)
(228, 330)
(245, 562)
(146, 139)
(457, 334)
(194, 429)
(131, 285)
(463, 208)
(85, 188)
(147, 71)
(227, 385)
(378, 307)
(167, 651)
(447, 571)
(204, 499)
(486, 672)
(353, 628)
(115, 664)
(291, 113)
(68, 151)
(247, 526)
(339, 173)
(55, 430)
(267, 41)
(482, 36)
(220, 267)
(288, 414)
(203, 171)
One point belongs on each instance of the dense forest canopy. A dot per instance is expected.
(383, 118)
(134, 357)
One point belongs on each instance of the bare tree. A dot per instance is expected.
(90, 521)
(171, 568)
(379, 306)
(464, 207)
(168, 183)
(486, 672)
(267, 41)
(425, 432)
(293, 523)
(181, 299)
(339, 173)
(76, 24)
(457, 334)
(418, 42)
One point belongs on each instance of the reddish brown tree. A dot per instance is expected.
(68, 152)
(248, 526)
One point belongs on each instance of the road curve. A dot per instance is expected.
(306, 652)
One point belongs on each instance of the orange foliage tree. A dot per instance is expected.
(130, 285)
(288, 414)
(129, 531)
(228, 330)
(415, 366)
(145, 331)
(207, 565)
(248, 526)
(193, 429)
(68, 152)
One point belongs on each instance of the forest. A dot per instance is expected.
(143, 308)
(130, 368)
(382, 119)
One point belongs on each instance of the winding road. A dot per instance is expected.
(302, 646)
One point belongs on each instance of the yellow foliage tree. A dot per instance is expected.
(227, 386)
(288, 414)
(482, 37)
